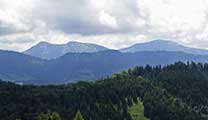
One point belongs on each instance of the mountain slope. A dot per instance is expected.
(173, 92)
(48, 51)
(81, 66)
(91, 66)
(19, 67)
(163, 45)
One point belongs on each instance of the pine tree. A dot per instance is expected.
(55, 116)
(78, 116)
(49, 116)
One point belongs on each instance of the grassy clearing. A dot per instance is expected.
(137, 111)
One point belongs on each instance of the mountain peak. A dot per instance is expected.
(159, 41)
(49, 51)
(73, 42)
(162, 41)
(163, 45)
(43, 43)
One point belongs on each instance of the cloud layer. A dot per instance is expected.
(111, 23)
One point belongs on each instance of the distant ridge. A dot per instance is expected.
(49, 51)
(164, 45)
(73, 67)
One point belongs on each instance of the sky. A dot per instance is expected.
(112, 23)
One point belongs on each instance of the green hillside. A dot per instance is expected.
(173, 92)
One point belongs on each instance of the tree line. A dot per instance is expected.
(172, 92)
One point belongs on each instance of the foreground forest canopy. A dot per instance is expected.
(173, 92)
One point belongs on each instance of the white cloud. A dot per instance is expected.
(107, 19)
(111, 23)
(175, 15)
(16, 15)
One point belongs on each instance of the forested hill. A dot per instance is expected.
(74, 67)
(173, 92)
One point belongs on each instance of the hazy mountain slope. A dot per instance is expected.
(46, 50)
(90, 66)
(81, 66)
(163, 45)
(49, 51)
(20, 68)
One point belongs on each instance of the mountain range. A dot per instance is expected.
(74, 67)
(48, 51)
(50, 67)
(163, 45)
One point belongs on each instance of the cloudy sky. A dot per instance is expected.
(111, 23)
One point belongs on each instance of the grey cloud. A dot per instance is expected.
(6, 29)
(21, 40)
(79, 16)
(132, 18)
(75, 25)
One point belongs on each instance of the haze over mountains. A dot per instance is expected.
(164, 45)
(46, 50)
(79, 64)
(49, 51)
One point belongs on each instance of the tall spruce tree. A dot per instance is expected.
(78, 116)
